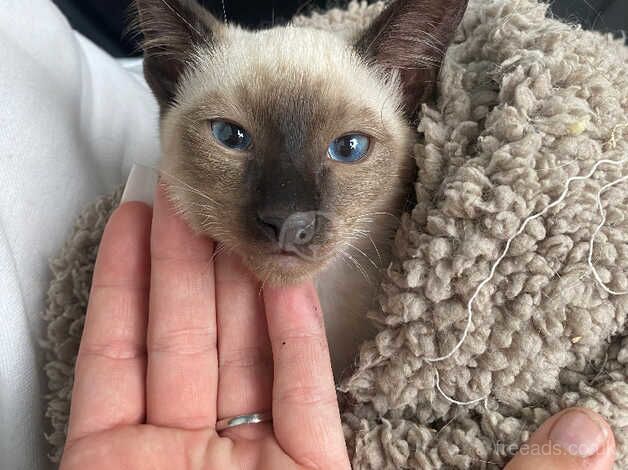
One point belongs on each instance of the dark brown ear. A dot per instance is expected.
(171, 29)
(411, 36)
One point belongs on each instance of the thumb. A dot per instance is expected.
(576, 438)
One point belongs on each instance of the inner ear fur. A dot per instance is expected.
(171, 30)
(411, 37)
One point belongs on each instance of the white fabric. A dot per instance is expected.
(72, 121)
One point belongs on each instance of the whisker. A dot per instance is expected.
(357, 265)
(365, 216)
(186, 185)
(346, 262)
(363, 254)
(379, 255)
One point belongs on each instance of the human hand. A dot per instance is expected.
(173, 342)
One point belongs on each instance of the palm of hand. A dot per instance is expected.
(143, 447)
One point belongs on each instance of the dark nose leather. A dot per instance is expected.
(297, 228)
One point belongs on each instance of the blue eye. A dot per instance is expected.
(230, 135)
(349, 148)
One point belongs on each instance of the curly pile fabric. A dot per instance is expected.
(525, 103)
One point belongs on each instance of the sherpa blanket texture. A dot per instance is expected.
(525, 103)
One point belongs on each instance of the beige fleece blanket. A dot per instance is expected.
(504, 302)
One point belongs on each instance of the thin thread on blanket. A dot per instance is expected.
(523, 226)
(456, 402)
(595, 233)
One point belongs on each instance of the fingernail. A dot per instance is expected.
(140, 186)
(578, 434)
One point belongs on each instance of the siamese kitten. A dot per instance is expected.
(292, 146)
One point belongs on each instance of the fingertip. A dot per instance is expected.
(172, 235)
(123, 250)
(132, 209)
(128, 220)
(294, 309)
(230, 268)
(300, 298)
(127, 212)
(574, 438)
(581, 432)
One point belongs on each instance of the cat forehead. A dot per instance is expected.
(288, 62)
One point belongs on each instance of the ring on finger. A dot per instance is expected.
(239, 420)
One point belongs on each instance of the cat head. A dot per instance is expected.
(290, 145)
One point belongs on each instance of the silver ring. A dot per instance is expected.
(234, 421)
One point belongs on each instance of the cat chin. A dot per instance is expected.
(283, 269)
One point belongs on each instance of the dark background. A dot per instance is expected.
(104, 21)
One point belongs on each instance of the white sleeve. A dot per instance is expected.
(72, 121)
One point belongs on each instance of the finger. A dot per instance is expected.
(182, 370)
(306, 419)
(245, 358)
(576, 438)
(111, 363)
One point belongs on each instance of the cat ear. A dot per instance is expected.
(411, 37)
(171, 29)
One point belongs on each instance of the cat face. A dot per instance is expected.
(287, 145)
(266, 134)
